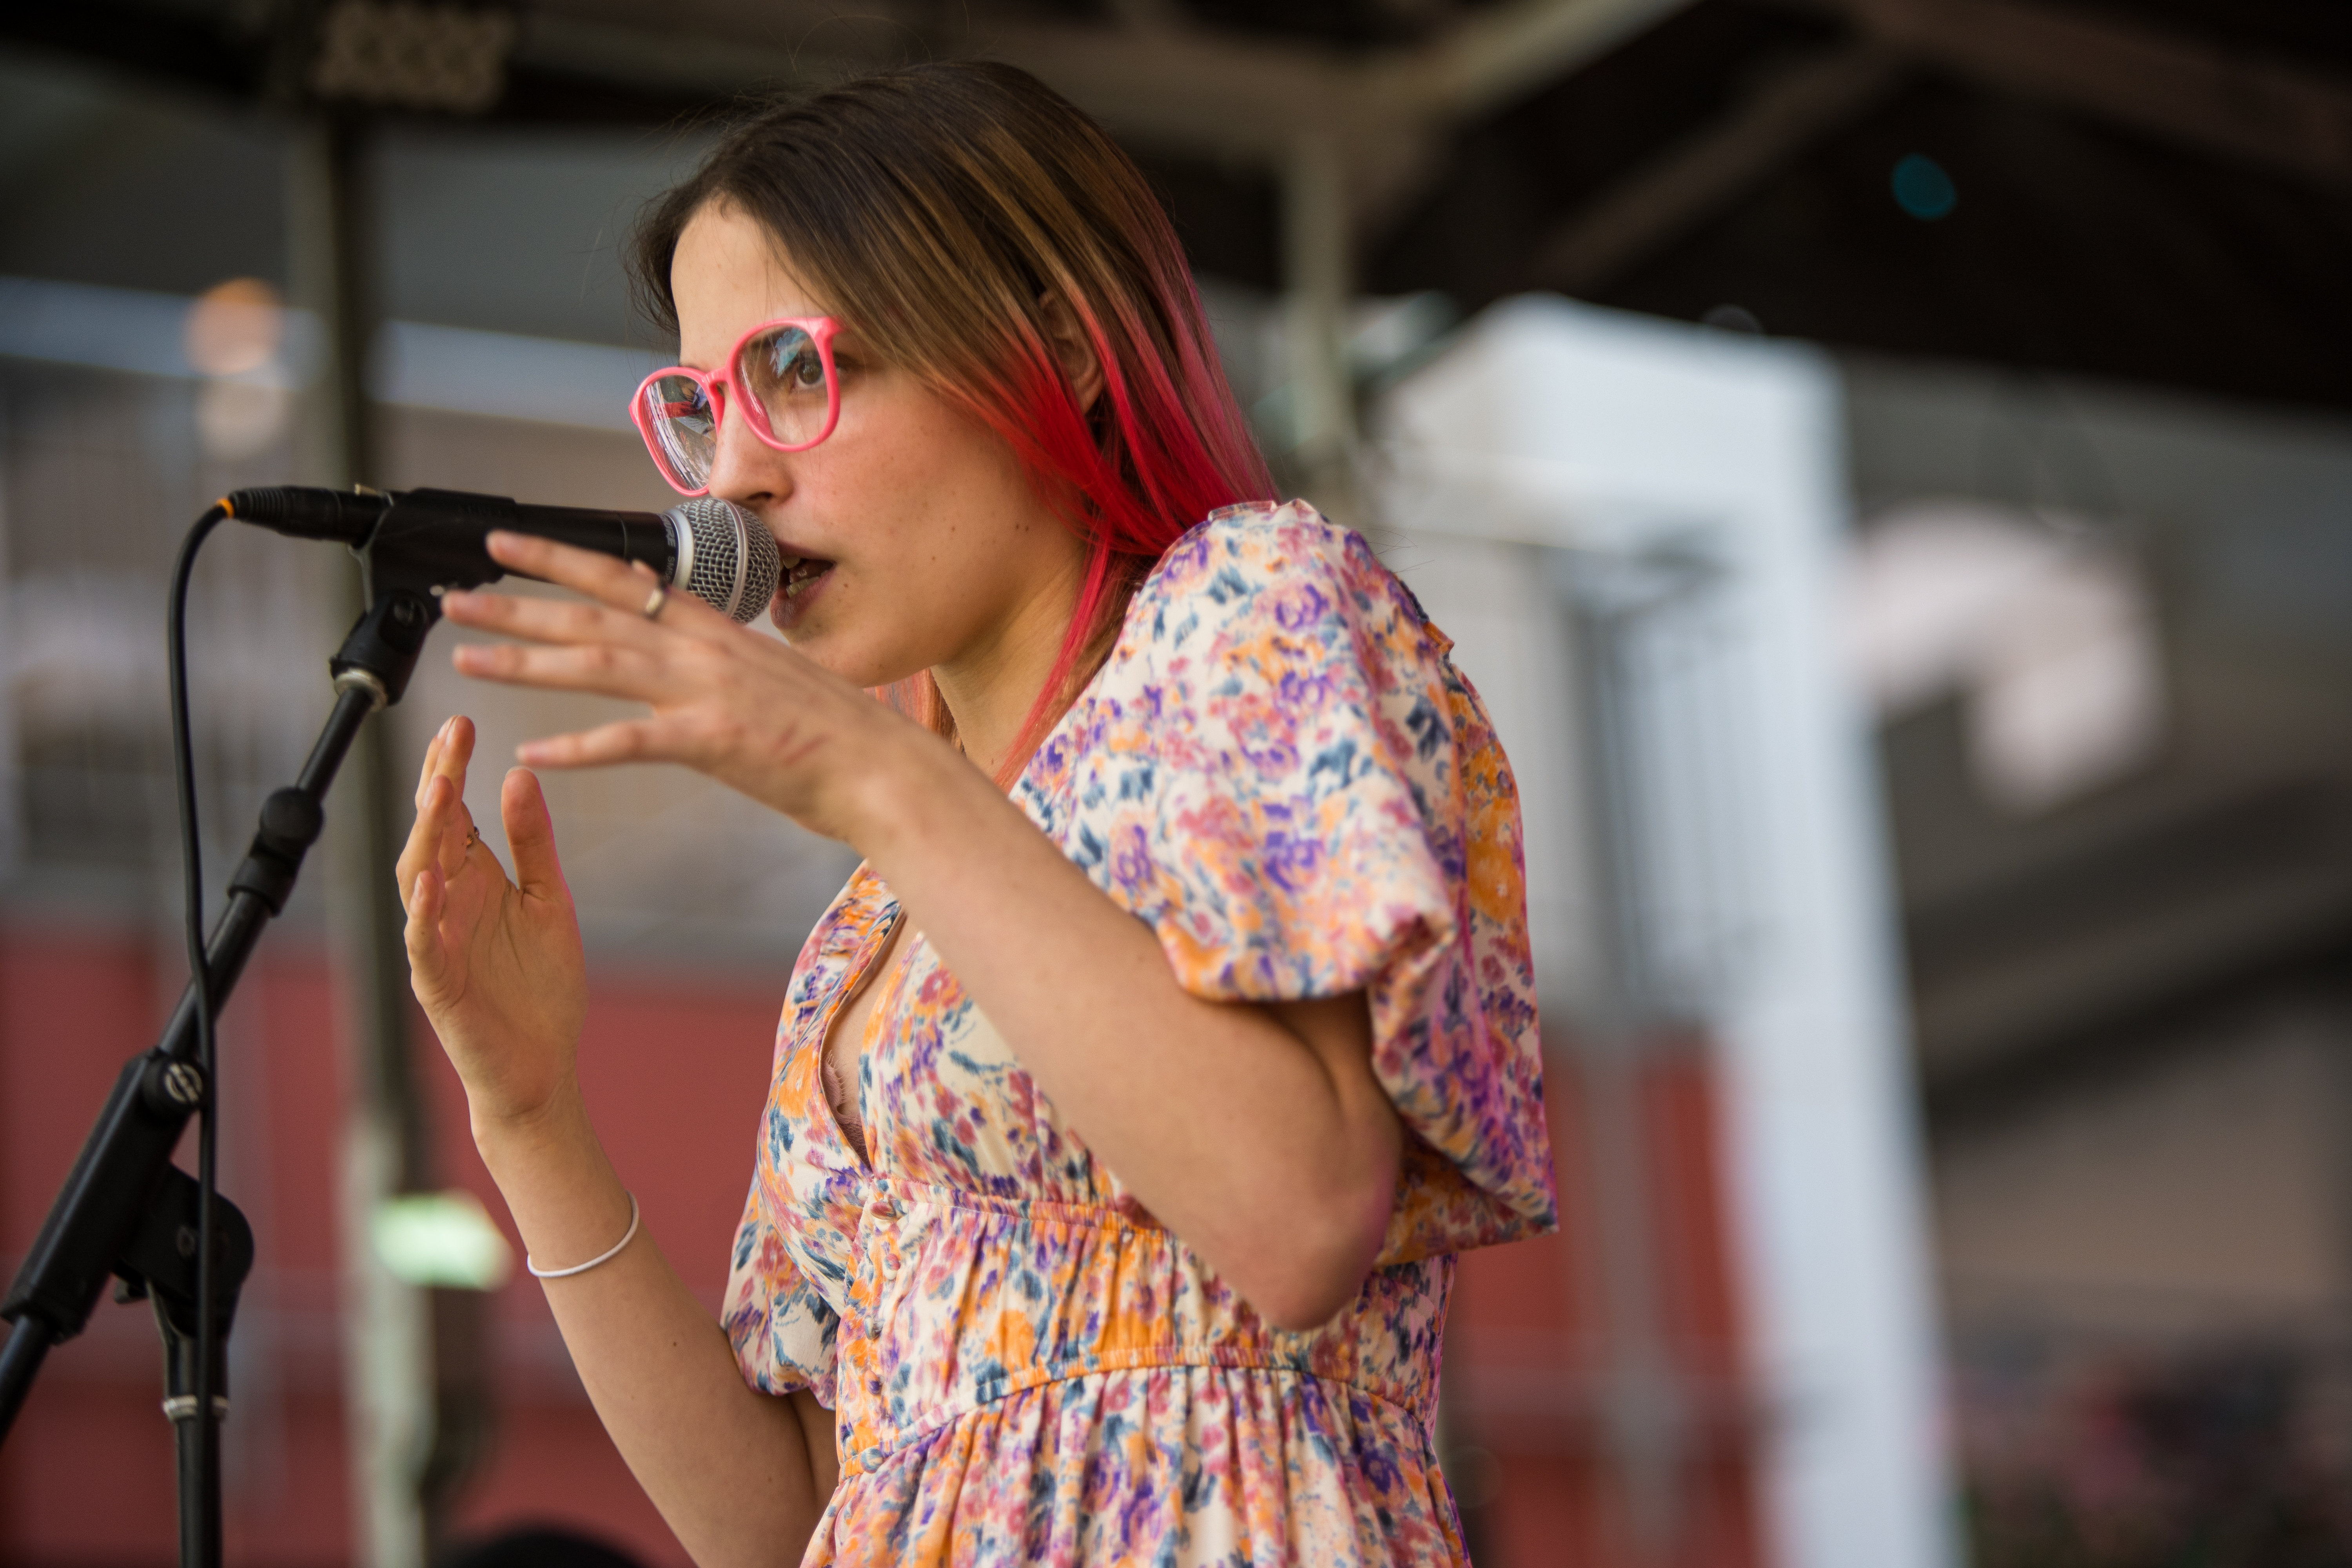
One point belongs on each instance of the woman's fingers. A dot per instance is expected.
(614, 625)
(439, 787)
(459, 838)
(432, 760)
(426, 894)
(447, 757)
(598, 668)
(421, 850)
(564, 623)
(582, 571)
(531, 833)
(625, 741)
(622, 587)
(441, 836)
(442, 828)
(742, 709)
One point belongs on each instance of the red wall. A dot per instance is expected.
(675, 1068)
(1530, 1346)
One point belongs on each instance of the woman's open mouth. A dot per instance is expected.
(799, 571)
(796, 584)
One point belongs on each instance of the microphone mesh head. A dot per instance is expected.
(733, 560)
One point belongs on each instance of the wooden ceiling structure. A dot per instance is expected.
(2157, 191)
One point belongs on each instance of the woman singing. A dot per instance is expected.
(1131, 1100)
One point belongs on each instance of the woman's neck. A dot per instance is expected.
(991, 687)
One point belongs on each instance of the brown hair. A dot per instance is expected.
(939, 208)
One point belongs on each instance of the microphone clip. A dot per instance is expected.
(381, 653)
(414, 546)
(409, 558)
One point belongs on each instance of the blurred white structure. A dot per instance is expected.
(1635, 532)
(2042, 623)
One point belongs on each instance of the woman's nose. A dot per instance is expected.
(743, 468)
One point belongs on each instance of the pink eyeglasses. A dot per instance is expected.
(793, 399)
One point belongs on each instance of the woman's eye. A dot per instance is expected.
(797, 366)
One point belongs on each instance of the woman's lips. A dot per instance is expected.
(799, 581)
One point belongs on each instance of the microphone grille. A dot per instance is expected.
(731, 562)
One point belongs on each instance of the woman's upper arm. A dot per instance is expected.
(818, 1431)
(1337, 1033)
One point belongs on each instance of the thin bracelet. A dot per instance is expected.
(627, 1236)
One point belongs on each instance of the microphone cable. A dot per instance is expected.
(183, 767)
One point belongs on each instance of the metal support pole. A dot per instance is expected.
(1318, 282)
(1643, 1405)
(416, 1413)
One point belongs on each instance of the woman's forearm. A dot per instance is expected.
(1263, 1141)
(739, 1474)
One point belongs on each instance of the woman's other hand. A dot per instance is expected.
(496, 962)
(745, 710)
(743, 1477)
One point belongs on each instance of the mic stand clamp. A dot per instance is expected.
(160, 1264)
(126, 1210)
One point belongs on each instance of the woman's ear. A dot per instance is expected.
(1071, 347)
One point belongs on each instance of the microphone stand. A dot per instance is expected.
(126, 1210)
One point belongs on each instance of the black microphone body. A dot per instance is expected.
(429, 539)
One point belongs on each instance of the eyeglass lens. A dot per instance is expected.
(783, 372)
(679, 417)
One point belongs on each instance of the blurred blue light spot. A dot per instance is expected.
(1922, 189)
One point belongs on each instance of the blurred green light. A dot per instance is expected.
(1922, 189)
(442, 1239)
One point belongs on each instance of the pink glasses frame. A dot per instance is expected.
(715, 385)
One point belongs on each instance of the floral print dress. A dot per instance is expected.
(1280, 772)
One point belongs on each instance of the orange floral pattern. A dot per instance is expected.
(1279, 769)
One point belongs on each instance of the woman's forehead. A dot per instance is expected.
(729, 274)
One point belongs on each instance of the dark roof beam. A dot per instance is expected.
(1184, 89)
(1675, 191)
(1150, 16)
(2186, 89)
(1494, 56)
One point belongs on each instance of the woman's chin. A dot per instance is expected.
(854, 660)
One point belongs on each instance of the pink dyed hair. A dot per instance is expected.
(948, 210)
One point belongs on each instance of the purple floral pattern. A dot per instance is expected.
(1280, 772)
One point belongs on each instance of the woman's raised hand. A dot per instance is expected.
(744, 708)
(497, 963)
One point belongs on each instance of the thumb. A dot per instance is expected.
(531, 833)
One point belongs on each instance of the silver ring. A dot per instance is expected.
(654, 601)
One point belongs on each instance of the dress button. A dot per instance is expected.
(884, 1214)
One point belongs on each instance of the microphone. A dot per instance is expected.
(716, 550)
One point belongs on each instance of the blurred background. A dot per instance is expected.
(1886, 463)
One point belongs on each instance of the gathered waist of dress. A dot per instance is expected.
(959, 1298)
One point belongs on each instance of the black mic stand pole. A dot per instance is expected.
(126, 1210)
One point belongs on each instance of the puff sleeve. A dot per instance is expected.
(1280, 771)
